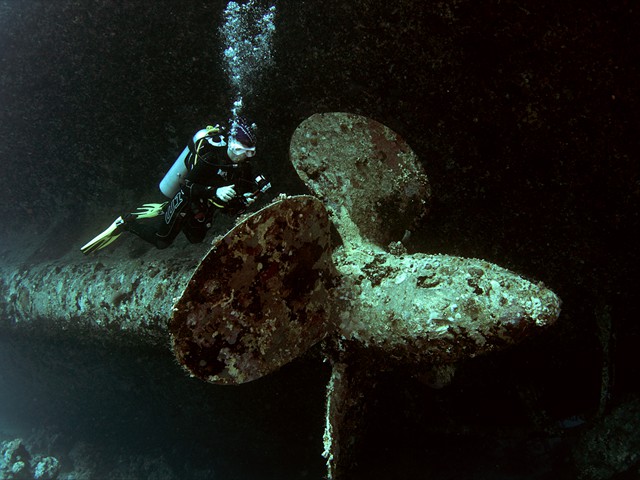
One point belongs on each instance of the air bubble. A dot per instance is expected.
(247, 32)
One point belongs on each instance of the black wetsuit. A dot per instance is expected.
(192, 208)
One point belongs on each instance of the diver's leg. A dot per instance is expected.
(149, 233)
(195, 233)
(196, 226)
(162, 235)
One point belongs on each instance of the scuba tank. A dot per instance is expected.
(170, 184)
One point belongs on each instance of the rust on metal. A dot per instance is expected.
(260, 298)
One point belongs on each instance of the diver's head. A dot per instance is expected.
(242, 140)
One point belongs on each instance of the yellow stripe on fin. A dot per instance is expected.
(149, 210)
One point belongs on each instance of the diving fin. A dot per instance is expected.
(150, 210)
(105, 238)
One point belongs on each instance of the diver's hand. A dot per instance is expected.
(249, 198)
(226, 193)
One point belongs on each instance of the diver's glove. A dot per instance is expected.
(249, 198)
(226, 193)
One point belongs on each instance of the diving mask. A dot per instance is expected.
(239, 149)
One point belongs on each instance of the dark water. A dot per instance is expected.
(525, 117)
(134, 413)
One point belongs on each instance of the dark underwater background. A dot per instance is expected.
(525, 117)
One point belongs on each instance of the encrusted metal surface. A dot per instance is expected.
(416, 312)
(366, 174)
(127, 300)
(421, 314)
(269, 290)
(436, 309)
(261, 296)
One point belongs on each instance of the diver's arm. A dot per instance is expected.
(197, 191)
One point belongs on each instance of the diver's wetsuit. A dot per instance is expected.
(193, 206)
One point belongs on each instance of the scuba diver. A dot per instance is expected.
(212, 173)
